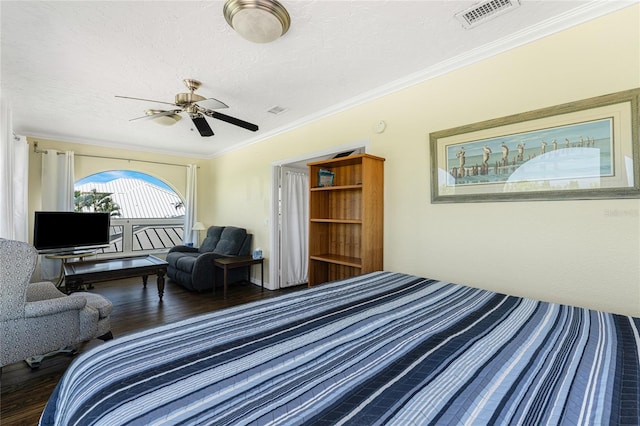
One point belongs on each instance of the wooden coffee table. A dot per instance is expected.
(76, 274)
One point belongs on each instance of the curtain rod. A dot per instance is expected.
(44, 151)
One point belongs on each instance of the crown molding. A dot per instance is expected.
(592, 10)
(589, 11)
(41, 137)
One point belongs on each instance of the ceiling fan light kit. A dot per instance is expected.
(259, 21)
(159, 117)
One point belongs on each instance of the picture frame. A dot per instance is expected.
(586, 149)
(325, 177)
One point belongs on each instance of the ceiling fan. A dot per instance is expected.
(196, 106)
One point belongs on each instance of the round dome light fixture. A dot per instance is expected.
(259, 21)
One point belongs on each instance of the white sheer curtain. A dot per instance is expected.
(191, 206)
(295, 219)
(14, 172)
(57, 195)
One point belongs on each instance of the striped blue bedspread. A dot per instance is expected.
(384, 348)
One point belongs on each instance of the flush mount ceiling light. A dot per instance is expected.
(259, 21)
(164, 120)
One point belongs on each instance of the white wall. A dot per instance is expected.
(585, 253)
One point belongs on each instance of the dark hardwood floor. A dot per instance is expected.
(24, 392)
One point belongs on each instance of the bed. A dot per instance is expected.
(382, 348)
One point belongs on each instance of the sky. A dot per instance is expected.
(117, 174)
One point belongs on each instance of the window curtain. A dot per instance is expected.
(57, 195)
(189, 236)
(14, 167)
(294, 228)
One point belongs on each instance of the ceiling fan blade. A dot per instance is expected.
(202, 125)
(157, 114)
(212, 103)
(146, 100)
(232, 120)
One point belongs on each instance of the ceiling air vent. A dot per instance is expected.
(276, 110)
(484, 11)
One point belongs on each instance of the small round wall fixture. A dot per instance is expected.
(259, 21)
(379, 126)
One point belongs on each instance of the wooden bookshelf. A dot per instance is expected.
(346, 219)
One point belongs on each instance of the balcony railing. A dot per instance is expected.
(144, 235)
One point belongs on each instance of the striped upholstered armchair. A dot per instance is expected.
(36, 319)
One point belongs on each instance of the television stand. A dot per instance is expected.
(65, 257)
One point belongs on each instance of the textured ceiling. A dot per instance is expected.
(64, 62)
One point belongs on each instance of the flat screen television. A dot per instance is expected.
(55, 232)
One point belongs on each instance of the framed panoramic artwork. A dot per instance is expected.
(581, 150)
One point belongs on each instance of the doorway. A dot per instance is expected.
(289, 235)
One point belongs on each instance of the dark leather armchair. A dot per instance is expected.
(192, 268)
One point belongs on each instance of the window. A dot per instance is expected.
(146, 214)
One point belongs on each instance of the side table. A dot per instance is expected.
(227, 263)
